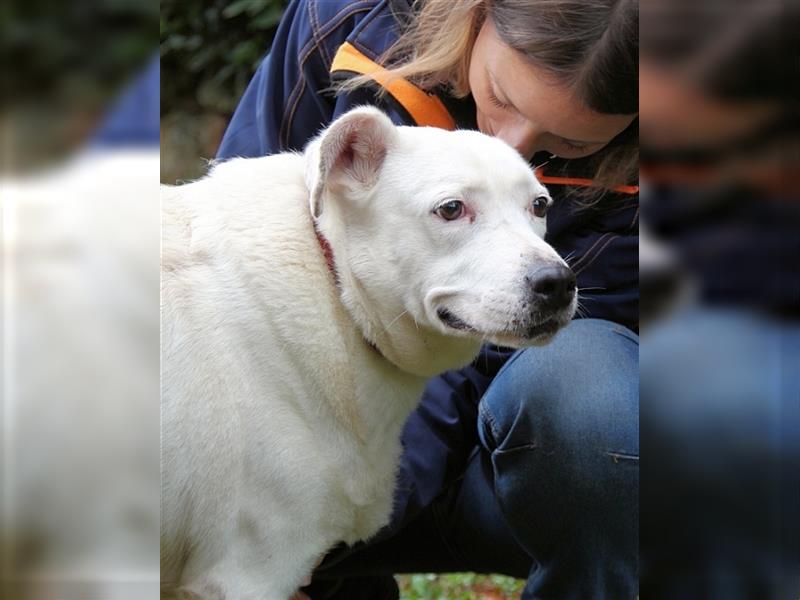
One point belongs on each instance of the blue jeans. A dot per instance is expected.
(549, 491)
(721, 412)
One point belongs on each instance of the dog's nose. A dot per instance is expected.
(552, 287)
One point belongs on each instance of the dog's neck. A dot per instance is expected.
(402, 341)
(327, 252)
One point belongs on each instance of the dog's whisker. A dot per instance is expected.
(581, 299)
(393, 321)
(544, 164)
(583, 289)
(579, 309)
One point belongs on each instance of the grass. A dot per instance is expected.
(459, 586)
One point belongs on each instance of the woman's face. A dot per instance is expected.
(528, 109)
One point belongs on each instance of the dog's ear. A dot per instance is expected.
(349, 153)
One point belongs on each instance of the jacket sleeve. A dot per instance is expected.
(289, 100)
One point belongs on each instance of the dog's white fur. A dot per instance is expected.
(285, 388)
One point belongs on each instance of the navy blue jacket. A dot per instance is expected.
(289, 101)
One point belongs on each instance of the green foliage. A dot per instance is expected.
(75, 51)
(210, 50)
(458, 586)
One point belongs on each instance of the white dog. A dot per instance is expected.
(306, 300)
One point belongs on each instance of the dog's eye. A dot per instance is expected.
(450, 211)
(540, 206)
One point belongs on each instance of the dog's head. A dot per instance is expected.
(437, 238)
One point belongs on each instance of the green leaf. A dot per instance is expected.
(267, 19)
(244, 52)
(236, 8)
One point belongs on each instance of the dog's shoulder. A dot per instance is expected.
(238, 202)
(176, 231)
(264, 172)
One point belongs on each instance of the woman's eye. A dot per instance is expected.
(540, 206)
(576, 147)
(450, 211)
(496, 101)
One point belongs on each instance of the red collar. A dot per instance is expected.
(327, 252)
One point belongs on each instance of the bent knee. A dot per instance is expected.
(578, 394)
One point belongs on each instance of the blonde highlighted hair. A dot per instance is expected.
(592, 46)
(435, 47)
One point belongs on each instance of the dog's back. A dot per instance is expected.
(261, 452)
(220, 268)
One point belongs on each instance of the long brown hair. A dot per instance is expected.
(592, 46)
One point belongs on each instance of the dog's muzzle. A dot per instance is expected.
(551, 289)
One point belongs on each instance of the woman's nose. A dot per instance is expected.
(523, 137)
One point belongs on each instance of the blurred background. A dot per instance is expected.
(720, 299)
(64, 63)
(79, 418)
